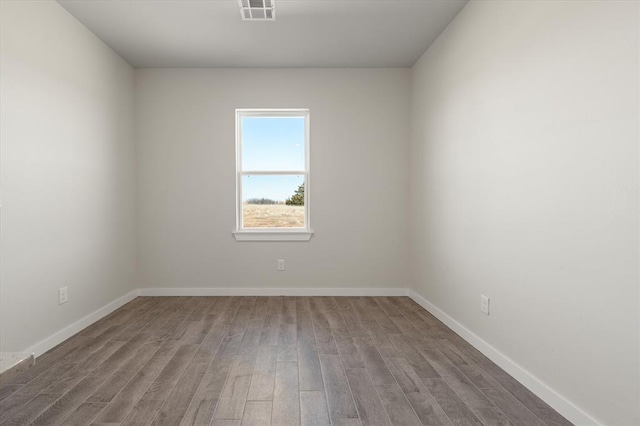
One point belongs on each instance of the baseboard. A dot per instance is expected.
(562, 405)
(62, 335)
(287, 291)
(542, 390)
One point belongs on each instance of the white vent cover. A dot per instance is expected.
(257, 10)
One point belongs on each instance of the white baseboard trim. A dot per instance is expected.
(562, 405)
(535, 385)
(62, 335)
(287, 291)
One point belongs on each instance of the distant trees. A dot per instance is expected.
(261, 201)
(296, 199)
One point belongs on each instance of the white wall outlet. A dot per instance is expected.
(63, 295)
(484, 304)
(280, 264)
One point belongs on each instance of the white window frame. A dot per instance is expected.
(272, 234)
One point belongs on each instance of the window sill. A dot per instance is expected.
(273, 235)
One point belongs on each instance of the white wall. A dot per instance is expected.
(525, 182)
(68, 177)
(359, 150)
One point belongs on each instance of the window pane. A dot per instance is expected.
(273, 143)
(272, 201)
(257, 13)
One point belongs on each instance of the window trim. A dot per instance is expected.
(272, 234)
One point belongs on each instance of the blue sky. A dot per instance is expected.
(272, 143)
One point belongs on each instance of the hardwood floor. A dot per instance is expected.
(268, 361)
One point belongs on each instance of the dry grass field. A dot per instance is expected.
(272, 216)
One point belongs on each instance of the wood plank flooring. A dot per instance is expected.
(268, 361)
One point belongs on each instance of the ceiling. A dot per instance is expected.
(306, 33)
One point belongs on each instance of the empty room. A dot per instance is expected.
(319, 212)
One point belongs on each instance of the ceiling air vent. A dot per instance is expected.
(257, 10)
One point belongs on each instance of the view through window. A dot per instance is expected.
(272, 163)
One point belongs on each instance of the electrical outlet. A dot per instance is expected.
(484, 304)
(63, 295)
(281, 265)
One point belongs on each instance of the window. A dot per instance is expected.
(272, 175)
